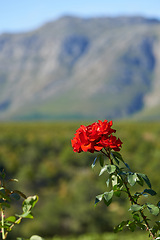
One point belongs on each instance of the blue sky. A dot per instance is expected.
(25, 15)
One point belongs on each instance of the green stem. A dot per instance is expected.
(2, 221)
(141, 212)
(130, 196)
(17, 221)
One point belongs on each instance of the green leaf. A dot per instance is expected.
(103, 170)
(15, 196)
(2, 174)
(135, 208)
(111, 169)
(117, 190)
(158, 223)
(98, 199)
(107, 203)
(20, 193)
(141, 225)
(29, 203)
(132, 226)
(3, 194)
(36, 237)
(126, 164)
(114, 180)
(150, 191)
(94, 162)
(5, 204)
(136, 217)
(120, 226)
(101, 160)
(108, 195)
(11, 219)
(153, 209)
(140, 180)
(13, 180)
(117, 193)
(145, 178)
(117, 155)
(132, 178)
(107, 182)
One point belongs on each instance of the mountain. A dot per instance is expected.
(81, 68)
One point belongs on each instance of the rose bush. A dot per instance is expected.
(98, 137)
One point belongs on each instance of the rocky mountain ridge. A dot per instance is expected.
(76, 68)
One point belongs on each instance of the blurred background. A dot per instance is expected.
(66, 63)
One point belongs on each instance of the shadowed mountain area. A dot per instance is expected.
(82, 68)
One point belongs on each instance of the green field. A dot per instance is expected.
(41, 157)
(106, 236)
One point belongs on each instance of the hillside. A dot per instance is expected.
(75, 68)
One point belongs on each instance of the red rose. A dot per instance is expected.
(94, 137)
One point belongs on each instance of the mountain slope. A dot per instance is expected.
(81, 68)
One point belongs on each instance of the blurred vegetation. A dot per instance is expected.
(105, 236)
(40, 156)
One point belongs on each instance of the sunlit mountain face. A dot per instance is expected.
(76, 68)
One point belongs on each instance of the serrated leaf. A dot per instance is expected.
(29, 203)
(145, 178)
(153, 209)
(108, 195)
(117, 155)
(150, 191)
(132, 178)
(135, 208)
(103, 170)
(111, 169)
(98, 199)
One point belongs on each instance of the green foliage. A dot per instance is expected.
(106, 236)
(40, 156)
(122, 177)
(7, 196)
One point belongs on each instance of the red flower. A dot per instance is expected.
(94, 137)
